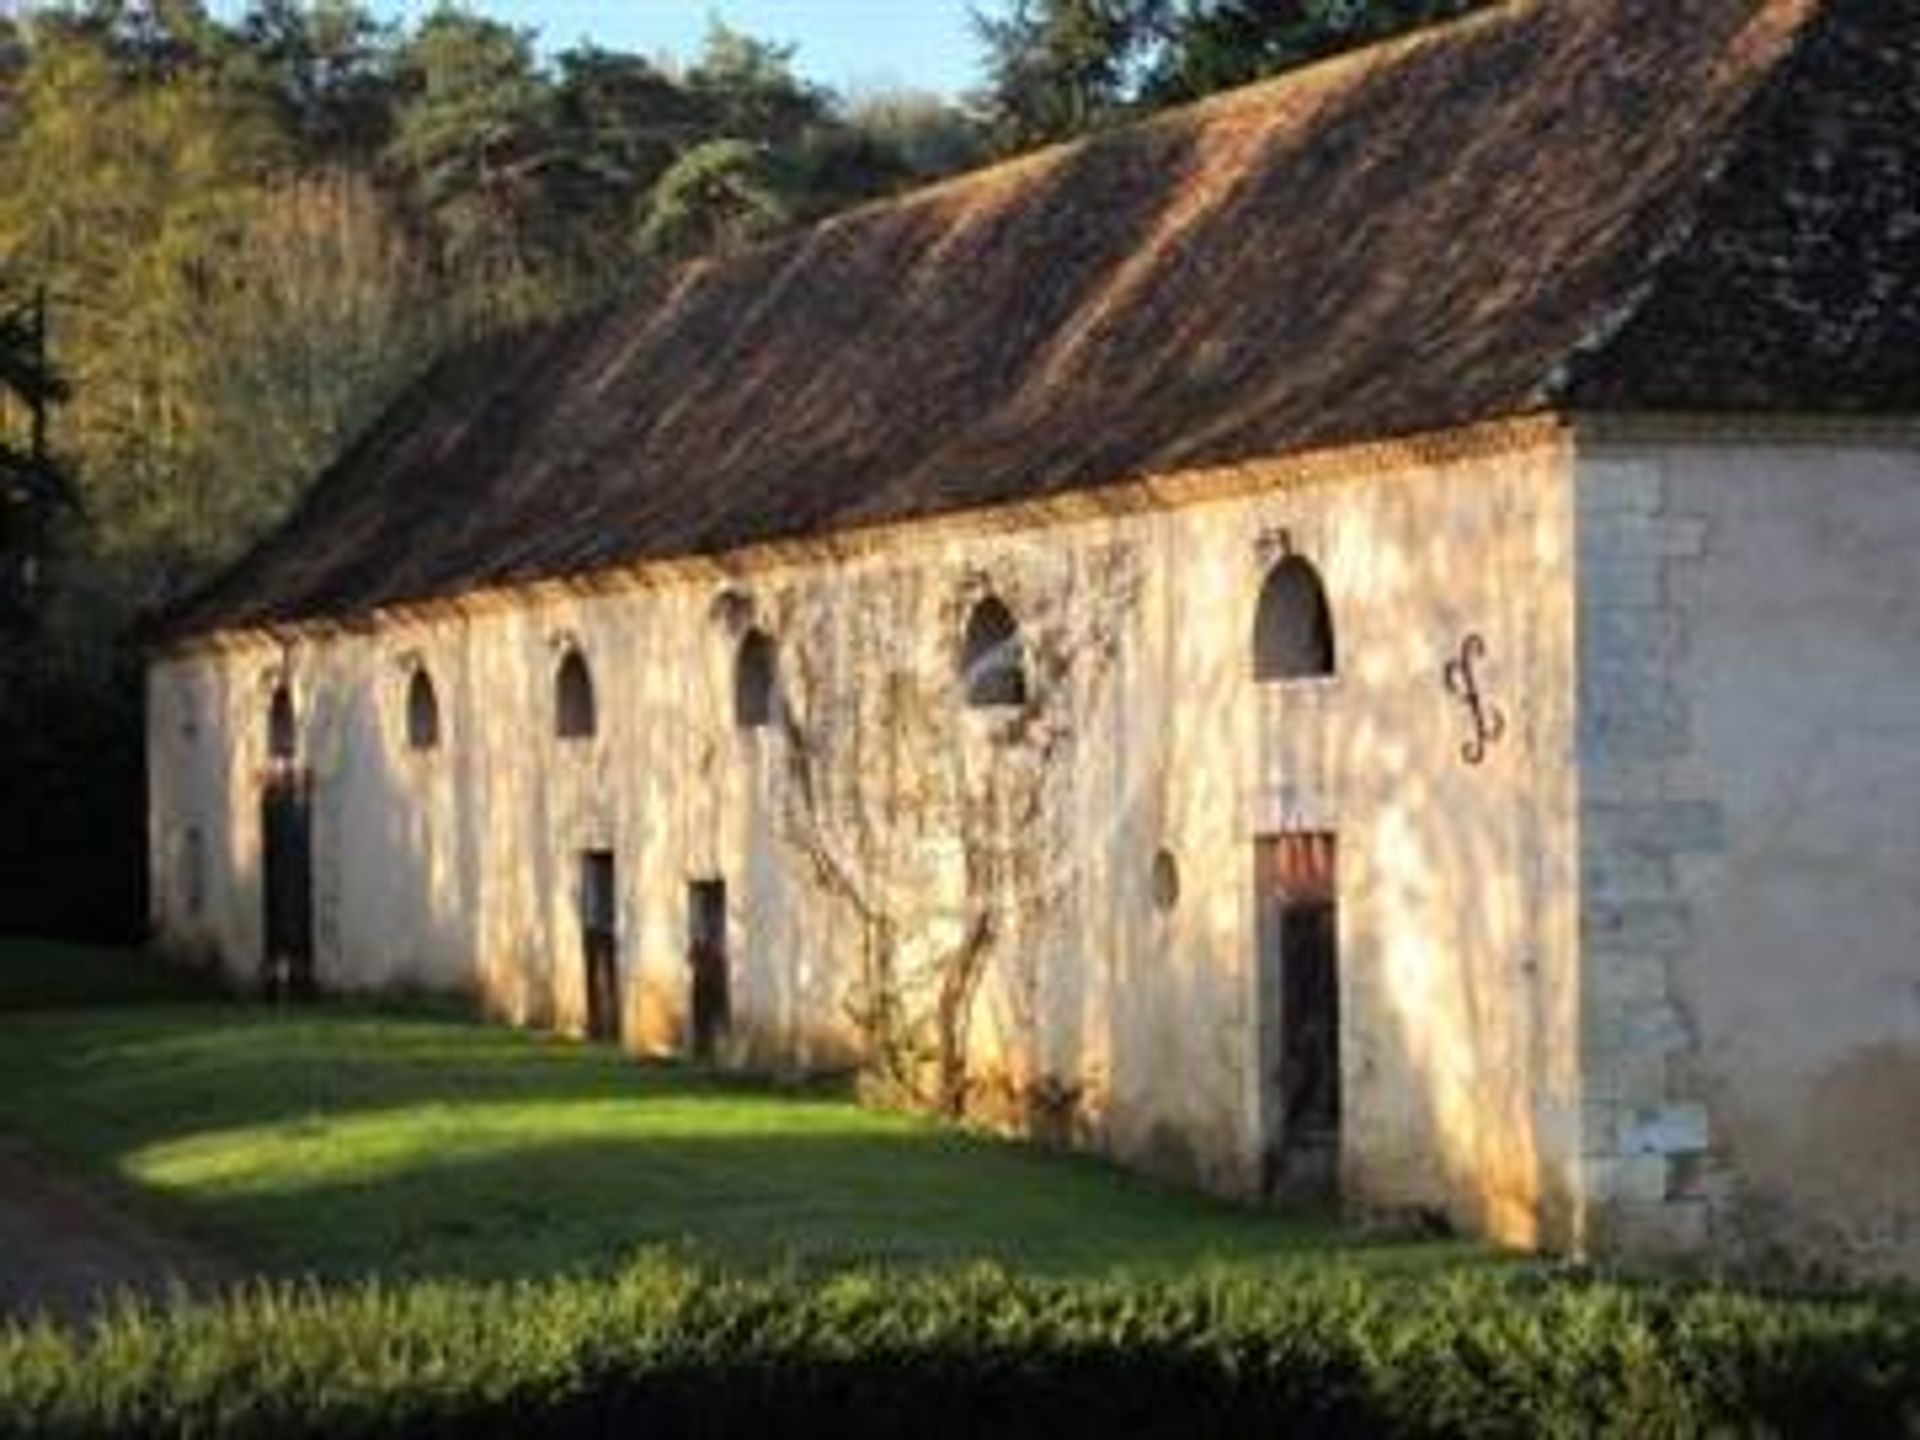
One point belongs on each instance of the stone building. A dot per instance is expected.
(1363, 636)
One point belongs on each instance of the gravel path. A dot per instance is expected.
(65, 1251)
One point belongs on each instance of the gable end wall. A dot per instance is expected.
(1749, 739)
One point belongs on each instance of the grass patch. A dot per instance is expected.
(471, 1231)
(51, 974)
(661, 1349)
(343, 1142)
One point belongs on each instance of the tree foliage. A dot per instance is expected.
(251, 228)
(477, 150)
(750, 90)
(1057, 68)
(253, 231)
(323, 65)
(716, 198)
(1225, 43)
(34, 491)
(926, 133)
(126, 197)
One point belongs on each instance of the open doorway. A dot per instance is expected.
(1299, 1014)
(286, 822)
(601, 944)
(707, 965)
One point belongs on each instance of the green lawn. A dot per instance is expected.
(440, 1158)
(343, 1141)
(52, 975)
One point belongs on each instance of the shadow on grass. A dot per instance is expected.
(343, 1141)
(56, 975)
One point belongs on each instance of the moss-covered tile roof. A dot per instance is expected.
(1556, 204)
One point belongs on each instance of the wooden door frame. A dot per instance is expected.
(1293, 871)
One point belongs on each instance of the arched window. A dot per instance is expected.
(992, 662)
(756, 674)
(423, 712)
(1293, 632)
(573, 713)
(282, 732)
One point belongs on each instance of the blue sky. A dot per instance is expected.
(927, 44)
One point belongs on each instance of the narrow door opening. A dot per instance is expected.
(707, 963)
(286, 824)
(599, 933)
(1299, 1039)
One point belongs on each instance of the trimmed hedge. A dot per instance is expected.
(664, 1349)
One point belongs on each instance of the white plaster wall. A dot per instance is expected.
(1098, 1017)
(1751, 673)
(200, 759)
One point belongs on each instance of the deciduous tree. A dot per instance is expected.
(34, 489)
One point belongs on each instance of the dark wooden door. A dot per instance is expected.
(1310, 1024)
(599, 930)
(707, 964)
(1299, 1021)
(286, 824)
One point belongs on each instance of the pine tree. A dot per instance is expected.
(475, 146)
(1217, 44)
(1058, 68)
(717, 198)
(327, 67)
(34, 488)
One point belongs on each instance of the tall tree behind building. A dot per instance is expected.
(476, 145)
(251, 232)
(327, 69)
(254, 232)
(126, 187)
(1217, 44)
(623, 124)
(34, 489)
(1058, 68)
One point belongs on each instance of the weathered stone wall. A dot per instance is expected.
(970, 892)
(1750, 817)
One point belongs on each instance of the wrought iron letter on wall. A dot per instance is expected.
(1463, 683)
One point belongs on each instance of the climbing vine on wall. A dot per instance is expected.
(945, 834)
